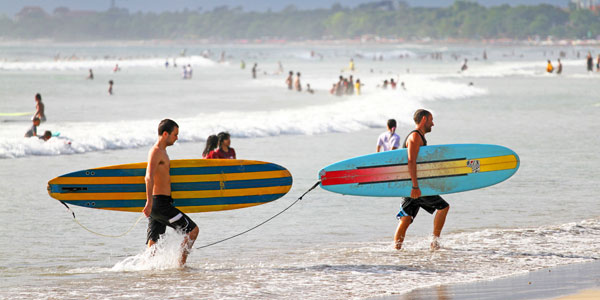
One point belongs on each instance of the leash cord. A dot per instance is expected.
(205, 246)
(98, 233)
(262, 223)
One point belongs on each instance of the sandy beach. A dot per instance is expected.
(583, 295)
(572, 282)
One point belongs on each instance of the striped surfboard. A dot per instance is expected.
(441, 169)
(197, 185)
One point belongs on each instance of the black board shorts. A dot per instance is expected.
(410, 206)
(165, 214)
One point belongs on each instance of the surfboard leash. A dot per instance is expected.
(204, 246)
(263, 222)
(98, 233)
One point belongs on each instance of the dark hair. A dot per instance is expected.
(222, 137)
(419, 114)
(211, 143)
(391, 123)
(167, 125)
(38, 96)
(47, 133)
(110, 82)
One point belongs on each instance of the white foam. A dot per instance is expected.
(110, 63)
(512, 69)
(164, 255)
(369, 269)
(352, 114)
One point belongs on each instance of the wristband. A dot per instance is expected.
(415, 187)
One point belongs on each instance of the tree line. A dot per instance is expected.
(388, 19)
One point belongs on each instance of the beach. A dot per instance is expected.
(496, 240)
(578, 281)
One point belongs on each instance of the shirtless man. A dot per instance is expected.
(39, 108)
(410, 207)
(297, 84)
(159, 205)
(290, 80)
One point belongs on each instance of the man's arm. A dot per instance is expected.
(153, 160)
(413, 145)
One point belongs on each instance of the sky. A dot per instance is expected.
(11, 7)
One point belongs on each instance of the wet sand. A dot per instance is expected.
(578, 281)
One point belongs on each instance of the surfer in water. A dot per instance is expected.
(39, 108)
(389, 140)
(410, 206)
(33, 130)
(159, 207)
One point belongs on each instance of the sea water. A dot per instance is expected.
(328, 245)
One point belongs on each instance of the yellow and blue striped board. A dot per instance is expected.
(197, 185)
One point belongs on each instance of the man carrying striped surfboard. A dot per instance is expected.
(159, 205)
(410, 206)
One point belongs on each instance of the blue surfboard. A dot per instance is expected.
(441, 169)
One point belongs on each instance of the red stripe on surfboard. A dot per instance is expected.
(362, 175)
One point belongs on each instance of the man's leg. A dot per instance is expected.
(401, 231)
(438, 225)
(155, 229)
(188, 242)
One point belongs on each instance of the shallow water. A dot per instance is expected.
(328, 245)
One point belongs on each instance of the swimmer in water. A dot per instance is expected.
(297, 84)
(47, 135)
(33, 130)
(39, 108)
(549, 67)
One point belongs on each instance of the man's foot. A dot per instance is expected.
(398, 245)
(435, 244)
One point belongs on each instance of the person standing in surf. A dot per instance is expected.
(33, 130)
(411, 205)
(159, 207)
(225, 151)
(39, 108)
(297, 84)
(211, 144)
(388, 140)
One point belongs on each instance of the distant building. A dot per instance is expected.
(31, 12)
(586, 4)
(66, 12)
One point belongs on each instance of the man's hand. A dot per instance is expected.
(415, 193)
(147, 210)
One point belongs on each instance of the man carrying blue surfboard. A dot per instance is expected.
(410, 206)
(159, 205)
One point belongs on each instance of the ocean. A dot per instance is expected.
(328, 246)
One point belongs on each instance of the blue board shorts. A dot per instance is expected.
(410, 206)
(165, 214)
